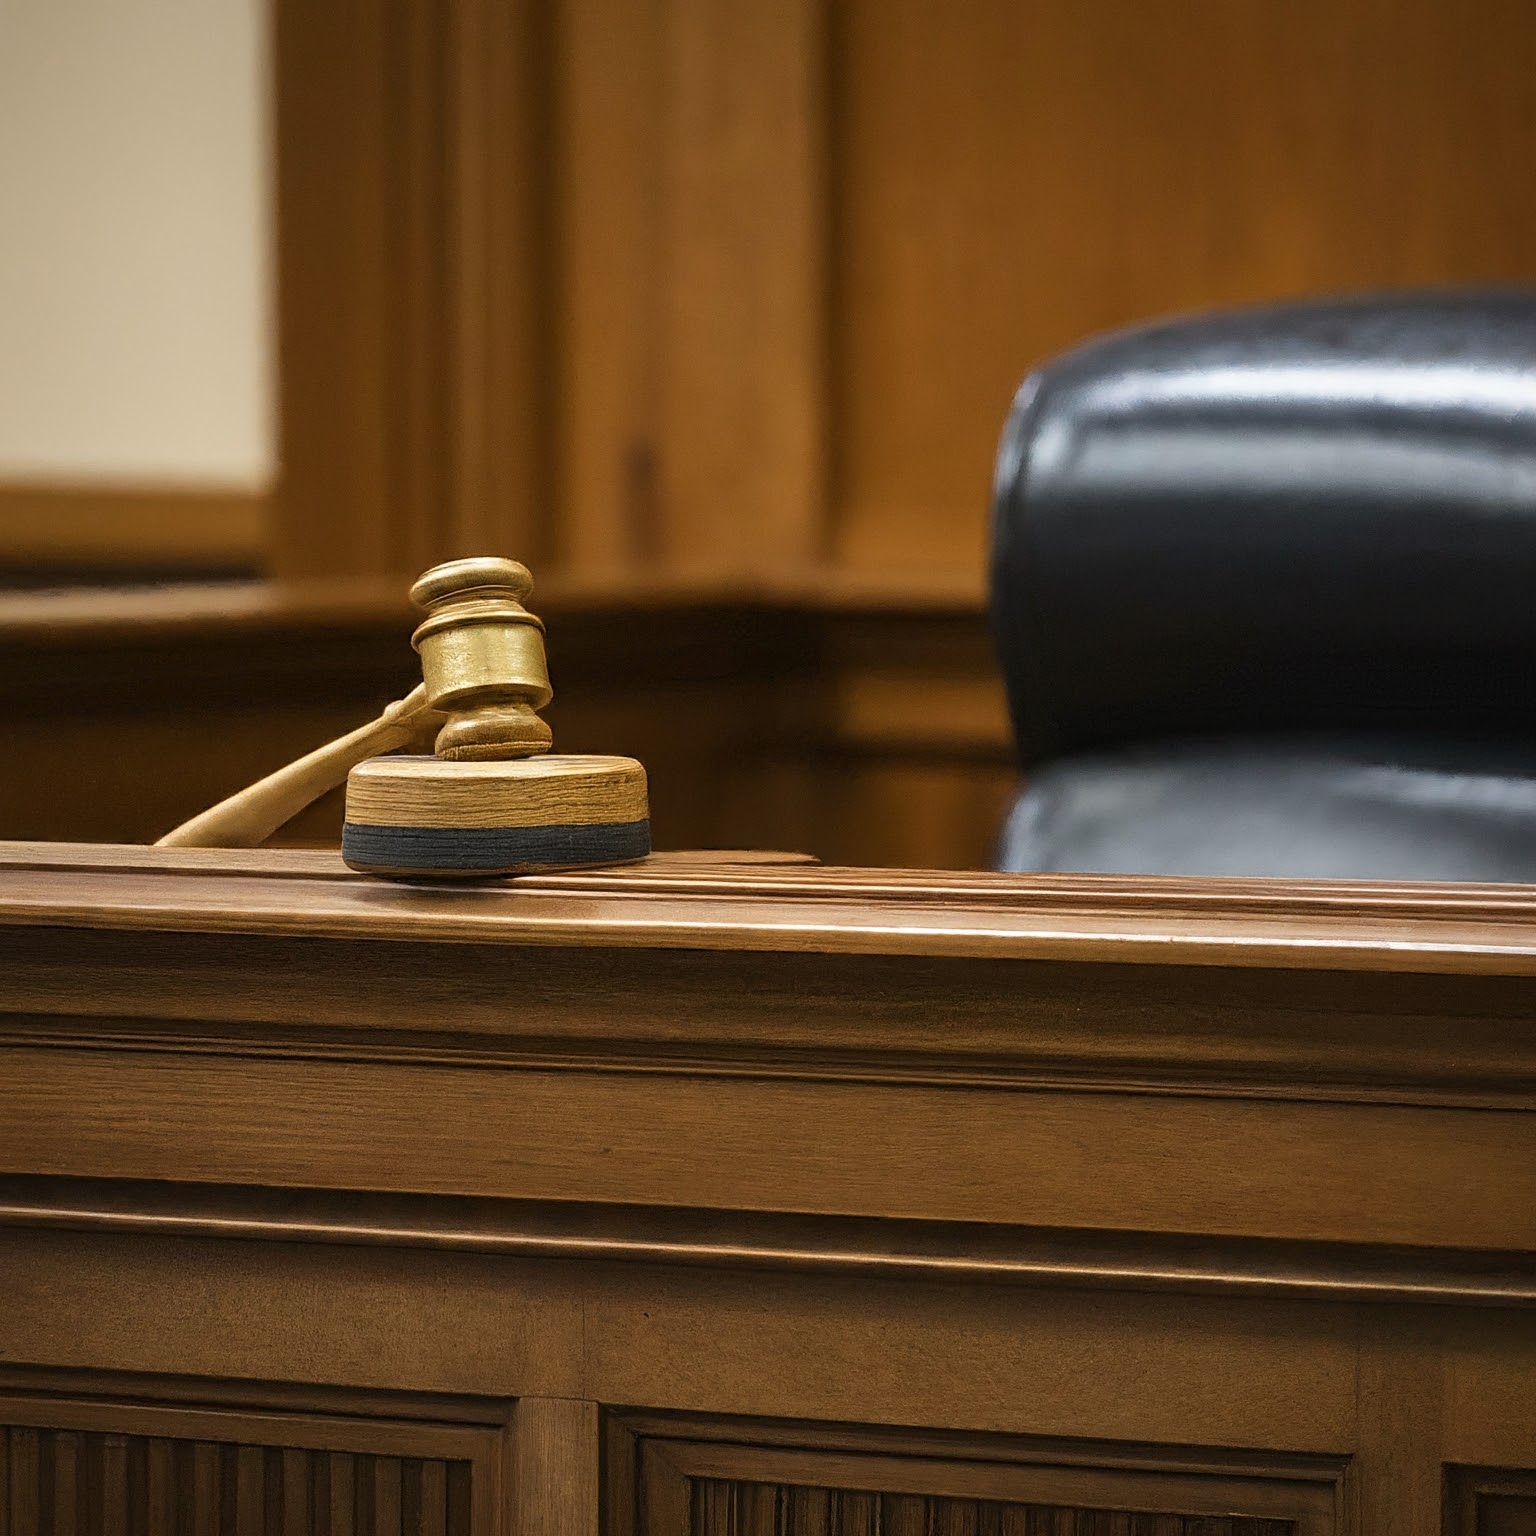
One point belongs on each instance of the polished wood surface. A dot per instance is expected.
(716, 1194)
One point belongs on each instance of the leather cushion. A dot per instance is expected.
(1296, 806)
(1296, 518)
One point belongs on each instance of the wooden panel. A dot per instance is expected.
(721, 1508)
(739, 288)
(692, 251)
(434, 195)
(67, 1482)
(821, 1374)
(714, 1488)
(555, 1471)
(411, 188)
(1014, 175)
(1233, 1168)
(1484, 1502)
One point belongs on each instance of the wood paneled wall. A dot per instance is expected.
(741, 287)
(1015, 175)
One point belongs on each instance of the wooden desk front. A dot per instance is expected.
(699, 1200)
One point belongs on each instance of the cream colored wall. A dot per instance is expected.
(135, 311)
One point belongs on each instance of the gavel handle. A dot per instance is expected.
(247, 819)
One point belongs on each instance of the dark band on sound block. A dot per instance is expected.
(489, 849)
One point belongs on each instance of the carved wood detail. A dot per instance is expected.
(135, 1466)
(69, 1481)
(1484, 1502)
(723, 1477)
(721, 1508)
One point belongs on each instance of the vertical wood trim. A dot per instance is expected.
(411, 228)
(203, 1486)
(501, 371)
(433, 1518)
(742, 471)
(115, 1496)
(297, 1482)
(666, 1496)
(24, 1472)
(1397, 1479)
(694, 251)
(66, 1480)
(609, 95)
(250, 1491)
(386, 1496)
(620, 1478)
(555, 1467)
(329, 69)
(159, 1485)
(341, 1469)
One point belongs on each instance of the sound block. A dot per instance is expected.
(434, 818)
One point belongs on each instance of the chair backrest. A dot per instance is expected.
(1303, 534)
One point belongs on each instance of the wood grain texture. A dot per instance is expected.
(555, 1470)
(323, 1181)
(1015, 177)
(552, 790)
(735, 1485)
(683, 285)
(87, 1483)
(410, 195)
(721, 1508)
(1312, 925)
(891, 1249)
(1234, 1169)
(693, 243)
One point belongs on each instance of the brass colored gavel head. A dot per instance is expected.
(482, 659)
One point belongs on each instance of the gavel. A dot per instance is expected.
(492, 799)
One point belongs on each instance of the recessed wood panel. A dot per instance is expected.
(720, 1508)
(690, 247)
(74, 1482)
(1484, 1502)
(1016, 175)
(832, 1482)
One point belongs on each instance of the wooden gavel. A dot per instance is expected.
(478, 806)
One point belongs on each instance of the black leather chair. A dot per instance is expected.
(1264, 588)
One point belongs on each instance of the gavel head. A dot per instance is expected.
(494, 800)
(482, 659)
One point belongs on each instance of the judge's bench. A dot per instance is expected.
(740, 1196)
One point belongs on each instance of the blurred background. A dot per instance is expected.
(708, 310)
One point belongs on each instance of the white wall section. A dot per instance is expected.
(135, 306)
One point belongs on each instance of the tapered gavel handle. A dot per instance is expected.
(249, 818)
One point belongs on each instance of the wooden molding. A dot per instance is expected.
(101, 527)
(1139, 920)
(552, 280)
(933, 1251)
(663, 1464)
(411, 183)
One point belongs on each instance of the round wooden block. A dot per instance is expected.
(440, 819)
